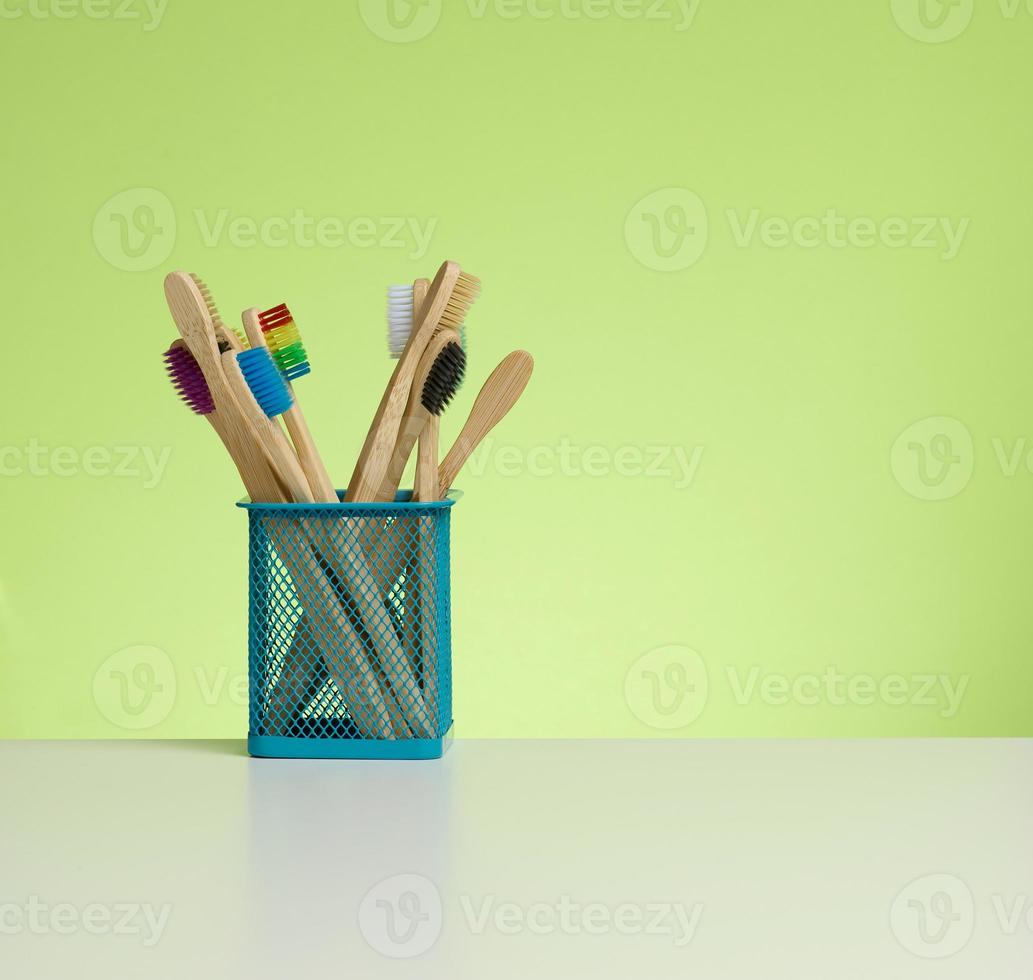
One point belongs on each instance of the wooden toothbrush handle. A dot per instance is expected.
(319, 481)
(426, 486)
(497, 396)
(308, 456)
(267, 432)
(409, 431)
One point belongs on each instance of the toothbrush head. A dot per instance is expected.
(265, 381)
(284, 340)
(401, 318)
(188, 379)
(462, 297)
(444, 378)
(213, 312)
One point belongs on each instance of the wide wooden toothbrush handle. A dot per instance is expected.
(497, 396)
(425, 486)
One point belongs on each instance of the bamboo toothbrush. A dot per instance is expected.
(276, 330)
(299, 679)
(449, 299)
(426, 479)
(196, 318)
(262, 395)
(356, 682)
(188, 380)
(437, 377)
(200, 327)
(230, 336)
(497, 396)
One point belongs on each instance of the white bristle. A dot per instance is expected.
(399, 318)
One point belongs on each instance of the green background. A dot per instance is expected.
(801, 543)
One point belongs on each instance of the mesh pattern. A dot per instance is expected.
(349, 625)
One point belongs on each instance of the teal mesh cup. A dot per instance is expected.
(349, 629)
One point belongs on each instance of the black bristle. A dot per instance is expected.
(443, 378)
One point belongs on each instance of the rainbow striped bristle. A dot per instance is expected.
(265, 381)
(188, 379)
(284, 340)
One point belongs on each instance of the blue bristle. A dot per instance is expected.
(265, 381)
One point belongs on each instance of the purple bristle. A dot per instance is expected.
(188, 379)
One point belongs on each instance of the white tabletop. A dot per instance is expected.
(516, 859)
